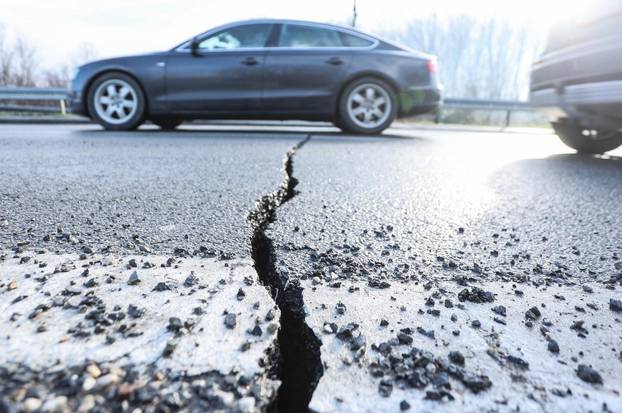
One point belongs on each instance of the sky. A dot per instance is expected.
(57, 28)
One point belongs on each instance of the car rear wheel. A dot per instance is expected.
(167, 124)
(367, 106)
(588, 141)
(116, 102)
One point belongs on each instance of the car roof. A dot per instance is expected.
(337, 27)
(377, 39)
(295, 21)
(284, 21)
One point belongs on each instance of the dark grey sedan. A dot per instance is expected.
(263, 69)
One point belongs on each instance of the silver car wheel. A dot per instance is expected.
(369, 105)
(115, 101)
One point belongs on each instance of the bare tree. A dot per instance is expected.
(57, 78)
(6, 58)
(477, 58)
(19, 63)
(85, 53)
(25, 63)
(61, 76)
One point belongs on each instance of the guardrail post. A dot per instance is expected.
(508, 118)
(437, 116)
(63, 109)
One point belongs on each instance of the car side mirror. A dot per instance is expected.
(194, 46)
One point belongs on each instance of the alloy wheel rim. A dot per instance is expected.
(369, 105)
(116, 101)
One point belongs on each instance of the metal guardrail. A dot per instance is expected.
(506, 106)
(485, 104)
(30, 94)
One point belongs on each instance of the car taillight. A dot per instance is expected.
(432, 66)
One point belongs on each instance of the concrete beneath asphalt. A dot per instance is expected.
(47, 323)
(550, 383)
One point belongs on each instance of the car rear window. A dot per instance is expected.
(350, 40)
(293, 35)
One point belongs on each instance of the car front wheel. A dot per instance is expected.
(588, 141)
(116, 102)
(367, 106)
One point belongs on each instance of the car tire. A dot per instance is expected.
(367, 106)
(166, 124)
(116, 102)
(584, 141)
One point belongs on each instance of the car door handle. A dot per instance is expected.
(250, 61)
(334, 61)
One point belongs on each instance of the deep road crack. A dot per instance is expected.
(299, 366)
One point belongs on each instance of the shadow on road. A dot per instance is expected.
(565, 173)
(575, 160)
(240, 132)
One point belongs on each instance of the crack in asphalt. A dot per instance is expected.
(299, 366)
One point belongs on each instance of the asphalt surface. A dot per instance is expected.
(434, 198)
(187, 190)
(387, 238)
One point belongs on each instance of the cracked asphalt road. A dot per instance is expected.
(420, 256)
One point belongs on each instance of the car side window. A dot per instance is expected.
(294, 35)
(238, 37)
(350, 40)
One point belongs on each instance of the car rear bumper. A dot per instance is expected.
(584, 94)
(571, 100)
(419, 100)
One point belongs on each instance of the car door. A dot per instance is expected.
(304, 70)
(224, 76)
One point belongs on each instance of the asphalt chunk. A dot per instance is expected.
(456, 357)
(476, 295)
(533, 314)
(134, 278)
(161, 286)
(191, 280)
(500, 309)
(518, 362)
(552, 346)
(588, 374)
(230, 321)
